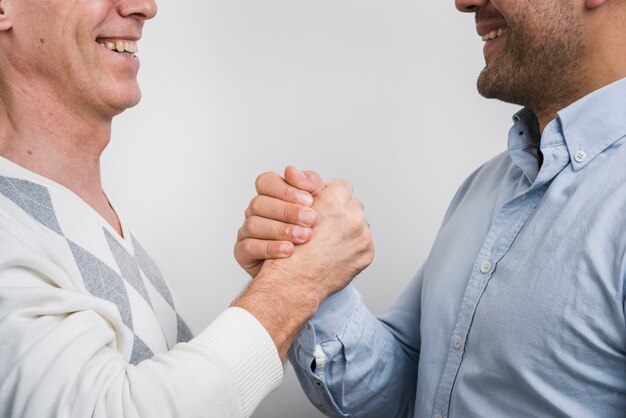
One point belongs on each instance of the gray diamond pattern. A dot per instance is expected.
(184, 333)
(33, 198)
(141, 351)
(99, 279)
(102, 281)
(152, 272)
(128, 266)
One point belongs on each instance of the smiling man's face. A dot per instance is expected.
(84, 50)
(533, 50)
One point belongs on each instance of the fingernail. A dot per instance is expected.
(304, 198)
(285, 249)
(307, 217)
(299, 233)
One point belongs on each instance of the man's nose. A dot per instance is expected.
(139, 9)
(470, 6)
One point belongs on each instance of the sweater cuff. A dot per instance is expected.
(246, 348)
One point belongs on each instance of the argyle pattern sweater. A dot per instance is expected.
(90, 327)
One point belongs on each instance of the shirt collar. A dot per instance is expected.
(594, 123)
(587, 126)
(522, 139)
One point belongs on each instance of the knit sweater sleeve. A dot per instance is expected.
(60, 352)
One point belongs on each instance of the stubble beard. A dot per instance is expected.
(539, 68)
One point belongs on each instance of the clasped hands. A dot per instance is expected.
(312, 232)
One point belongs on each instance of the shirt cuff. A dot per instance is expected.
(334, 314)
(246, 348)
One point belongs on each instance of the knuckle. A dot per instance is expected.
(365, 262)
(366, 258)
(249, 226)
(344, 186)
(345, 183)
(316, 176)
(252, 225)
(355, 211)
(284, 231)
(261, 180)
(247, 247)
(350, 224)
(255, 205)
(288, 212)
(334, 193)
(356, 204)
(355, 221)
(288, 193)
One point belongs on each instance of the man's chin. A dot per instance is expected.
(485, 85)
(492, 85)
(120, 104)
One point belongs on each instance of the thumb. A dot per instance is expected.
(308, 181)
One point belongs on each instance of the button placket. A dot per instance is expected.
(505, 228)
(485, 266)
(457, 342)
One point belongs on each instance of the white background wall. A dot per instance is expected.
(380, 92)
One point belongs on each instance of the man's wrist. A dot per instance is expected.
(281, 302)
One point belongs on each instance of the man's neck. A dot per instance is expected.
(547, 114)
(51, 140)
(605, 61)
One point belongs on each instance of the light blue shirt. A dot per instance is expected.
(519, 310)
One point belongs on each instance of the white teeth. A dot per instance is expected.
(496, 33)
(120, 45)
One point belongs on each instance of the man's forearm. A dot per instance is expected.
(282, 304)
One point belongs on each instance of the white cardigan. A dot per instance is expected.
(88, 327)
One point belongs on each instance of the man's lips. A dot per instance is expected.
(126, 44)
(496, 33)
(484, 28)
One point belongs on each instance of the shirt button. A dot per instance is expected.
(458, 342)
(580, 156)
(438, 416)
(485, 266)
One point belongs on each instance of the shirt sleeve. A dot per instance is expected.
(352, 364)
(60, 356)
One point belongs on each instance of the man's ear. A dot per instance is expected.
(6, 21)
(594, 4)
